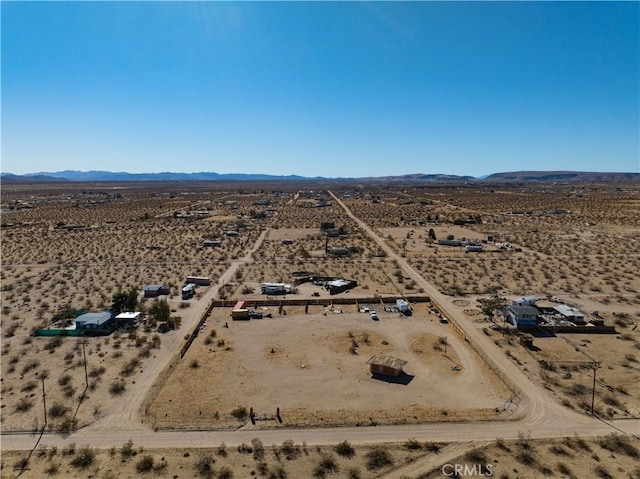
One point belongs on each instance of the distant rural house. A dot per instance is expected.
(231, 233)
(571, 314)
(155, 290)
(89, 321)
(339, 285)
(386, 365)
(211, 243)
(473, 248)
(522, 315)
(287, 241)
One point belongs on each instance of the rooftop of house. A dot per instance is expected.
(523, 310)
(93, 318)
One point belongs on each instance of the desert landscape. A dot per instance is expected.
(72, 248)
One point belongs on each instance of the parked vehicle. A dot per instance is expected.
(188, 291)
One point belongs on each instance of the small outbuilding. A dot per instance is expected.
(240, 311)
(128, 320)
(386, 365)
(339, 285)
(402, 305)
(155, 290)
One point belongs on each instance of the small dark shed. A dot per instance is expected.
(155, 290)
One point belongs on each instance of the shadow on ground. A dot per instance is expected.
(403, 378)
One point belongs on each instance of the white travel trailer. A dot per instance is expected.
(275, 288)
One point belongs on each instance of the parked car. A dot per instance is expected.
(374, 315)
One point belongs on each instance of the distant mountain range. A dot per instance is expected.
(74, 175)
(509, 177)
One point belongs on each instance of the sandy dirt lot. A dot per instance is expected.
(307, 366)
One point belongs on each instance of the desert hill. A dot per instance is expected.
(504, 177)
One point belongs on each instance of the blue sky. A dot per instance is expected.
(321, 89)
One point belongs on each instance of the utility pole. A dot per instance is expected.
(43, 376)
(445, 346)
(595, 365)
(504, 321)
(84, 352)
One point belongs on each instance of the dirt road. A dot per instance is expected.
(536, 407)
(446, 432)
